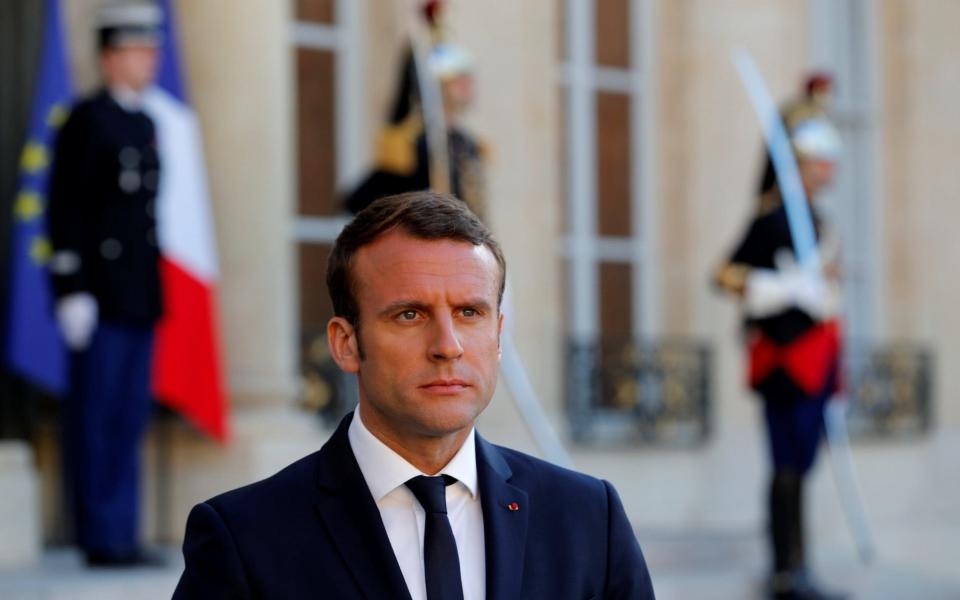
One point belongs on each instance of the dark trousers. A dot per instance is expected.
(794, 428)
(104, 419)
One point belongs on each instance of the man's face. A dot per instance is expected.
(134, 67)
(457, 92)
(430, 332)
(816, 174)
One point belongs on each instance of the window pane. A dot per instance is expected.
(316, 11)
(616, 319)
(613, 164)
(315, 306)
(613, 33)
(316, 132)
(616, 314)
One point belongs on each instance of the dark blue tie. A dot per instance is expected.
(440, 558)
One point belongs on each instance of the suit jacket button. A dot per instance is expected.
(129, 157)
(111, 249)
(129, 181)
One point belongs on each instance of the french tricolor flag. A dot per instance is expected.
(187, 374)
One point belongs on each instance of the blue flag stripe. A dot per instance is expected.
(169, 77)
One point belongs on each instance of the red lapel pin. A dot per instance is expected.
(513, 506)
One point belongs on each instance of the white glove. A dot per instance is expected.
(815, 295)
(769, 292)
(77, 316)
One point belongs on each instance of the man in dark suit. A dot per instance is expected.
(406, 500)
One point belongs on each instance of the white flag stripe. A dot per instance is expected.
(184, 219)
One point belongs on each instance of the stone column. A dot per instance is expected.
(20, 533)
(240, 76)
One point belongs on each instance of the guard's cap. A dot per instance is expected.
(817, 139)
(130, 24)
(449, 60)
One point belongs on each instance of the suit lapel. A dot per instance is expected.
(505, 509)
(353, 521)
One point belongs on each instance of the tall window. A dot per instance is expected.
(605, 74)
(325, 40)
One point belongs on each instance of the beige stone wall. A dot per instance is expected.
(919, 54)
(239, 68)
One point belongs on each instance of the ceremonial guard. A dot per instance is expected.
(793, 342)
(405, 158)
(105, 276)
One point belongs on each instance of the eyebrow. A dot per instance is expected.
(400, 305)
(480, 303)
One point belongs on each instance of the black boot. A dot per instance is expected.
(791, 580)
(783, 492)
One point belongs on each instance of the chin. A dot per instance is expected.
(446, 419)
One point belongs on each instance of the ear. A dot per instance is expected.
(344, 348)
(500, 335)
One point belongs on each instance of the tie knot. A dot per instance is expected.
(431, 492)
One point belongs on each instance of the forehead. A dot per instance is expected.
(398, 264)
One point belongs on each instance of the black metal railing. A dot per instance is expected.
(625, 391)
(324, 388)
(890, 390)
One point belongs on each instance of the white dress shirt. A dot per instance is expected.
(386, 472)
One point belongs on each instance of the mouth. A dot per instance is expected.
(445, 386)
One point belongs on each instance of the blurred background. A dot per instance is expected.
(621, 157)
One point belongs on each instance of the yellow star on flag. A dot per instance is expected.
(57, 116)
(40, 250)
(34, 158)
(29, 205)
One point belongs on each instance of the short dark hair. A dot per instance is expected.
(427, 215)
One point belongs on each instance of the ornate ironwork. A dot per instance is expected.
(890, 390)
(642, 392)
(324, 388)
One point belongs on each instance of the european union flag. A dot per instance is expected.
(33, 347)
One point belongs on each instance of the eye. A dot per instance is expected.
(408, 315)
(470, 312)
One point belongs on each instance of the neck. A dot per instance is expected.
(429, 454)
(127, 97)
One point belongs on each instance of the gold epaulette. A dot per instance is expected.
(484, 150)
(732, 277)
(397, 146)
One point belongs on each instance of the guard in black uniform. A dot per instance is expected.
(105, 272)
(403, 160)
(793, 341)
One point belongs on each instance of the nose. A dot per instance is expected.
(445, 343)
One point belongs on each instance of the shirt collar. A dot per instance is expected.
(384, 470)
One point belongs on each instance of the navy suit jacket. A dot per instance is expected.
(314, 531)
